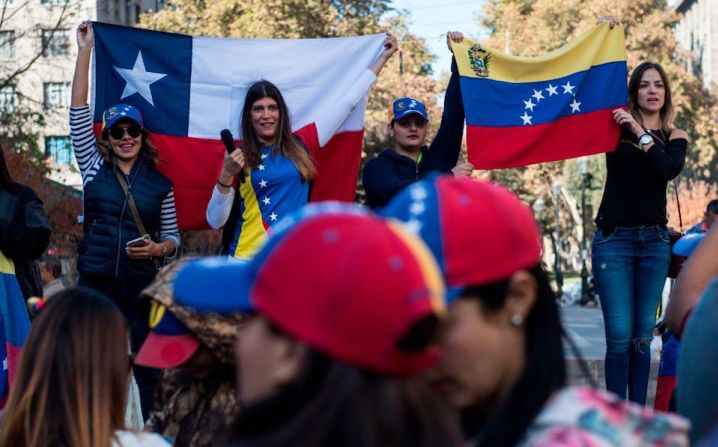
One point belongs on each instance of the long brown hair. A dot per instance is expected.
(105, 147)
(71, 386)
(286, 143)
(634, 83)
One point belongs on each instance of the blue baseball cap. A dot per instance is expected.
(407, 106)
(345, 281)
(118, 112)
(685, 245)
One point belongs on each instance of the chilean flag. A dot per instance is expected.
(526, 110)
(14, 325)
(190, 88)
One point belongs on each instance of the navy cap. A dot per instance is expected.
(118, 112)
(407, 106)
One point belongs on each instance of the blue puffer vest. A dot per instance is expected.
(109, 224)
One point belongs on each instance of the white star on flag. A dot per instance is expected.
(261, 167)
(551, 90)
(273, 217)
(413, 226)
(4, 364)
(575, 106)
(264, 156)
(538, 95)
(267, 200)
(139, 79)
(262, 183)
(526, 118)
(568, 88)
(418, 193)
(417, 208)
(529, 105)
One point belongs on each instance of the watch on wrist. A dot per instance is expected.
(645, 140)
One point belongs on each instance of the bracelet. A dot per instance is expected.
(222, 184)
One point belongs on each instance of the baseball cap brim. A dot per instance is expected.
(685, 245)
(166, 351)
(410, 112)
(215, 284)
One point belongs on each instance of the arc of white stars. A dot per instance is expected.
(139, 79)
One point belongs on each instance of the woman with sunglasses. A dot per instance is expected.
(71, 386)
(411, 160)
(123, 192)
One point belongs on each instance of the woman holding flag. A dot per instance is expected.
(274, 165)
(129, 209)
(631, 249)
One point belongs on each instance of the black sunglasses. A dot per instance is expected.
(118, 132)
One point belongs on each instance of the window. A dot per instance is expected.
(52, 2)
(59, 149)
(57, 95)
(55, 42)
(7, 44)
(8, 98)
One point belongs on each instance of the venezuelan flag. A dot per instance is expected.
(14, 325)
(526, 110)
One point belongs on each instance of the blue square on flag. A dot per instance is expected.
(149, 70)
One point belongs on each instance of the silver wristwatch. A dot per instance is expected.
(645, 140)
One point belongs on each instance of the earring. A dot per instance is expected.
(517, 319)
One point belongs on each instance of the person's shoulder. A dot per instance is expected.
(384, 156)
(138, 439)
(22, 192)
(677, 134)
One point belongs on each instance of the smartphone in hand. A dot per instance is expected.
(139, 242)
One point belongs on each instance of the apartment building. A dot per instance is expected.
(697, 31)
(41, 34)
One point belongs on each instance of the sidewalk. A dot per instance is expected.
(585, 327)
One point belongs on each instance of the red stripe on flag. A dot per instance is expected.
(193, 165)
(569, 137)
(13, 361)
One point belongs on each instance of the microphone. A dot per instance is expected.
(228, 140)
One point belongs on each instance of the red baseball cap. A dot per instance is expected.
(479, 232)
(346, 282)
(169, 343)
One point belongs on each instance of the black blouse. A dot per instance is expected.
(636, 181)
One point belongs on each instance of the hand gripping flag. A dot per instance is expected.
(525, 110)
(190, 88)
(14, 325)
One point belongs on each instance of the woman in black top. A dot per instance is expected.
(631, 249)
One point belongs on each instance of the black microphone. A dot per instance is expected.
(228, 140)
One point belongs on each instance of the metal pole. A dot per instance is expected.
(557, 260)
(584, 270)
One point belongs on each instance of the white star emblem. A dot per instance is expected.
(568, 88)
(264, 156)
(418, 193)
(267, 200)
(529, 105)
(262, 167)
(538, 95)
(551, 90)
(123, 113)
(262, 183)
(412, 104)
(4, 363)
(273, 217)
(526, 118)
(417, 208)
(139, 79)
(575, 106)
(413, 226)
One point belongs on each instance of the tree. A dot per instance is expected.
(531, 28)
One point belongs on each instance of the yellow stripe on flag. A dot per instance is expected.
(598, 46)
(253, 233)
(6, 265)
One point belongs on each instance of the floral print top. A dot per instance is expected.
(585, 417)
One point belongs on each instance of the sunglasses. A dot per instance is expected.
(119, 132)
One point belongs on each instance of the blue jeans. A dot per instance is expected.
(629, 268)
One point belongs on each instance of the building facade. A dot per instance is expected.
(697, 32)
(37, 38)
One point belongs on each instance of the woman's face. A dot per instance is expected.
(125, 138)
(264, 116)
(410, 132)
(482, 355)
(264, 361)
(651, 91)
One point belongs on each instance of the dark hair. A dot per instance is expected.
(286, 143)
(53, 265)
(71, 386)
(147, 148)
(544, 373)
(5, 178)
(712, 206)
(634, 84)
(332, 404)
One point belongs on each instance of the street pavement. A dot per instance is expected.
(585, 327)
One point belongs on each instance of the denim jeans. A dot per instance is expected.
(629, 268)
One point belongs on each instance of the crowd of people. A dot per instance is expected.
(423, 319)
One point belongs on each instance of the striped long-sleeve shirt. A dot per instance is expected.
(90, 161)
